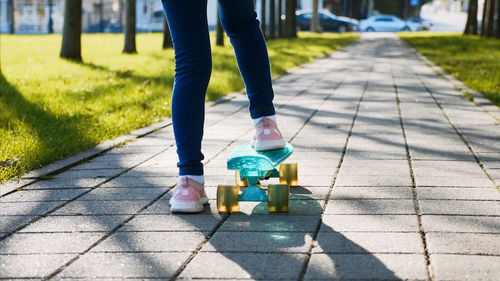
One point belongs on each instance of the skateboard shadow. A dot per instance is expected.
(272, 245)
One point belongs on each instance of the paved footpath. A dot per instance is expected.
(398, 173)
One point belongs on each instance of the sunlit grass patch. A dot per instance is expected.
(472, 59)
(51, 108)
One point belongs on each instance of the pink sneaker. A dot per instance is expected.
(268, 136)
(189, 197)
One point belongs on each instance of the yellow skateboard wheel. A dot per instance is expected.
(227, 198)
(278, 198)
(239, 181)
(289, 174)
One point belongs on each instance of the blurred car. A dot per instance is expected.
(419, 23)
(328, 22)
(385, 23)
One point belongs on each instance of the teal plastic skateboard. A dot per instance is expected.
(253, 166)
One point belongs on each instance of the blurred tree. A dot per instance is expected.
(498, 19)
(12, 18)
(272, 19)
(219, 31)
(483, 19)
(167, 37)
(315, 26)
(280, 22)
(490, 27)
(72, 30)
(290, 19)
(471, 25)
(50, 22)
(129, 47)
(263, 17)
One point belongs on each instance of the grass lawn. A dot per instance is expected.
(472, 59)
(51, 108)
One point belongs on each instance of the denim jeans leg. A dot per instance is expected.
(187, 20)
(239, 20)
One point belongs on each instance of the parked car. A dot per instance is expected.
(385, 23)
(419, 23)
(328, 22)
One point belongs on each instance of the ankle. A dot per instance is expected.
(256, 120)
(198, 178)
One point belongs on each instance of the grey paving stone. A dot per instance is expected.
(429, 151)
(393, 223)
(458, 193)
(459, 207)
(460, 224)
(177, 222)
(160, 182)
(250, 266)
(123, 193)
(97, 173)
(366, 267)
(157, 241)
(103, 207)
(382, 180)
(48, 243)
(10, 223)
(259, 242)
(75, 223)
(271, 223)
(403, 170)
(465, 267)
(93, 165)
(439, 181)
(297, 207)
(374, 164)
(31, 266)
(463, 243)
(378, 192)
(446, 169)
(371, 207)
(66, 183)
(27, 208)
(368, 242)
(42, 195)
(125, 265)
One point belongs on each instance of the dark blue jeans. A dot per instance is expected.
(187, 20)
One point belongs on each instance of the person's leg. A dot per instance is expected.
(187, 20)
(241, 25)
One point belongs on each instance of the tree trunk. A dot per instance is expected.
(483, 19)
(498, 20)
(219, 32)
(263, 17)
(471, 25)
(291, 19)
(314, 18)
(272, 19)
(72, 30)
(167, 37)
(129, 47)
(12, 18)
(50, 22)
(280, 22)
(490, 28)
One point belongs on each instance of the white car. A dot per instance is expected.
(384, 23)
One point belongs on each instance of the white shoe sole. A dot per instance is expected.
(268, 145)
(188, 207)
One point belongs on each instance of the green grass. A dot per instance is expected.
(472, 59)
(51, 108)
